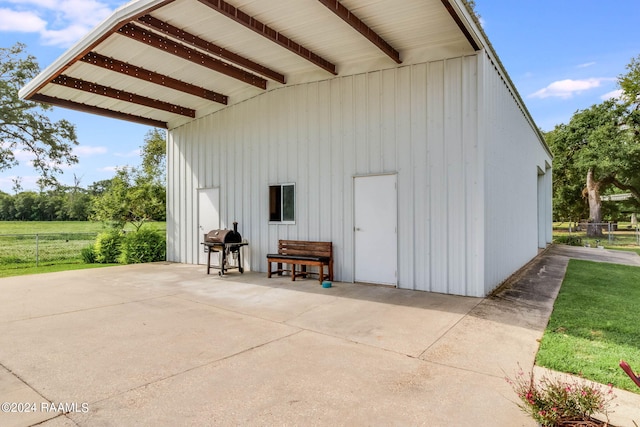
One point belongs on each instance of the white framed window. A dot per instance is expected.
(282, 203)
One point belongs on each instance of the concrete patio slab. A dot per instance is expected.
(89, 355)
(165, 344)
(15, 391)
(516, 314)
(312, 379)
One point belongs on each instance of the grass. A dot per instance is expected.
(58, 245)
(32, 227)
(594, 323)
(23, 271)
(625, 238)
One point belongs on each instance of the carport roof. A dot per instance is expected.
(165, 62)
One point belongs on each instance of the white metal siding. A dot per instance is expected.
(513, 157)
(468, 206)
(418, 121)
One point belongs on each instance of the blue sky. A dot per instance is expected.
(562, 55)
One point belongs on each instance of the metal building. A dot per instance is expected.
(387, 127)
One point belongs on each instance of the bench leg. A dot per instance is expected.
(268, 269)
(293, 272)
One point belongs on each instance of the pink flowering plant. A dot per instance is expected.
(556, 402)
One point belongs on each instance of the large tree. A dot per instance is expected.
(599, 149)
(154, 155)
(24, 126)
(135, 195)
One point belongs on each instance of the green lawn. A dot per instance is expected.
(594, 323)
(32, 227)
(23, 271)
(625, 238)
(57, 247)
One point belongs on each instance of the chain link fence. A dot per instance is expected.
(43, 248)
(591, 234)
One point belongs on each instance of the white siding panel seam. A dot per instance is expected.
(420, 121)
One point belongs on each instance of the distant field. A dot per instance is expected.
(625, 237)
(57, 244)
(33, 227)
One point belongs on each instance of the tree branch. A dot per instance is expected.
(630, 188)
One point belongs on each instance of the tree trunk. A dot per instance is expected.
(595, 206)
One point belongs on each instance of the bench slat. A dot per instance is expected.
(305, 253)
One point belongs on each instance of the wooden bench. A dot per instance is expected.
(305, 254)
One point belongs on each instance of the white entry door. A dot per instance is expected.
(376, 235)
(208, 217)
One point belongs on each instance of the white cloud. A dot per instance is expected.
(132, 153)
(109, 169)
(566, 89)
(64, 37)
(87, 150)
(28, 182)
(613, 94)
(27, 157)
(586, 64)
(21, 21)
(63, 166)
(24, 155)
(58, 22)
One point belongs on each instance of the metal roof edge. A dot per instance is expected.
(473, 24)
(139, 7)
(121, 15)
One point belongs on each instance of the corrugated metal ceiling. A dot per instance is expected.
(420, 30)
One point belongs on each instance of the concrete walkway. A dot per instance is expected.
(167, 345)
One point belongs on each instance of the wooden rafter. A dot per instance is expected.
(175, 48)
(264, 30)
(65, 103)
(121, 95)
(105, 35)
(209, 47)
(347, 16)
(150, 76)
(460, 24)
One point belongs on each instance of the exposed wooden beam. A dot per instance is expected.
(150, 76)
(347, 16)
(105, 35)
(460, 24)
(65, 103)
(175, 48)
(264, 30)
(121, 95)
(209, 47)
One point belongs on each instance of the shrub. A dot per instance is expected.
(568, 240)
(107, 247)
(561, 401)
(88, 255)
(144, 245)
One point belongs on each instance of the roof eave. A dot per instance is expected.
(473, 25)
(119, 17)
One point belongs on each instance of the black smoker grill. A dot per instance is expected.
(228, 243)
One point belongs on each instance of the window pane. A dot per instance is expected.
(288, 202)
(275, 203)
